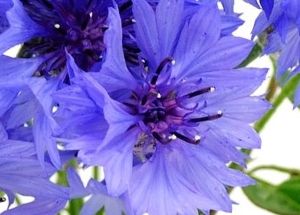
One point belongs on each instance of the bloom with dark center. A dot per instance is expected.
(53, 32)
(52, 28)
(281, 30)
(165, 131)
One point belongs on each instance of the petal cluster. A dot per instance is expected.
(281, 23)
(165, 130)
(152, 91)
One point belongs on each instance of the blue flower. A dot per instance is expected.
(283, 36)
(50, 28)
(29, 103)
(164, 131)
(47, 48)
(52, 31)
(21, 172)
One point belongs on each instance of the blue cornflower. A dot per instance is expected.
(46, 28)
(27, 104)
(20, 171)
(164, 131)
(49, 30)
(52, 28)
(282, 30)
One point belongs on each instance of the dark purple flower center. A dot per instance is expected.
(165, 115)
(75, 27)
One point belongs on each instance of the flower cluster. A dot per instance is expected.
(280, 21)
(152, 91)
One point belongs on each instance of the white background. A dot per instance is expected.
(280, 138)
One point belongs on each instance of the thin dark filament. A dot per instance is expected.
(127, 22)
(159, 69)
(157, 136)
(125, 6)
(207, 118)
(132, 48)
(185, 138)
(199, 92)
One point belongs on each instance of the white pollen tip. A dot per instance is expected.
(158, 95)
(172, 137)
(212, 89)
(91, 14)
(57, 26)
(197, 137)
(173, 62)
(220, 112)
(133, 20)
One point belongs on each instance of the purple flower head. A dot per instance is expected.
(164, 131)
(21, 172)
(52, 28)
(283, 36)
(47, 49)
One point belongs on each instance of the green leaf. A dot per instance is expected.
(291, 188)
(75, 206)
(254, 54)
(283, 199)
(101, 212)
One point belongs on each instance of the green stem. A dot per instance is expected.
(96, 173)
(272, 89)
(286, 91)
(254, 54)
(277, 168)
(18, 200)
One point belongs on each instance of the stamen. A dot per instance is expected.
(125, 6)
(145, 65)
(200, 92)
(128, 22)
(207, 118)
(132, 48)
(186, 139)
(144, 100)
(172, 137)
(57, 26)
(197, 138)
(161, 66)
(157, 136)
